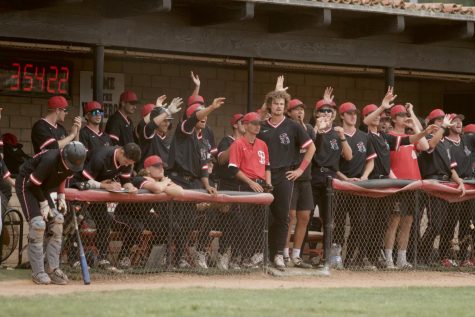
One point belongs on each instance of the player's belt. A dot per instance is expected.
(184, 177)
(322, 169)
(379, 176)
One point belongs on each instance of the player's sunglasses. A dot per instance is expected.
(63, 110)
(97, 112)
(325, 110)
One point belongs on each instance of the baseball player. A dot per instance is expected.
(358, 168)
(230, 223)
(188, 162)
(249, 163)
(404, 166)
(110, 168)
(6, 183)
(302, 198)
(38, 177)
(91, 135)
(153, 129)
(460, 145)
(285, 139)
(331, 145)
(119, 126)
(135, 220)
(437, 164)
(48, 133)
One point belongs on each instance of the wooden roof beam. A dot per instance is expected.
(125, 8)
(208, 14)
(393, 24)
(281, 22)
(431, 34)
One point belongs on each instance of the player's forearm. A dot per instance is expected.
(307, 159)
(243, 178)
(268, 177)
(373, 115)
(416, 137)
(346, 151)
(417, 123)
(341, 176)
(68, 139)
(455, 177)
(203, 113)
(436, 138)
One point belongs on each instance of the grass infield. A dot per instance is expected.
(231, 302)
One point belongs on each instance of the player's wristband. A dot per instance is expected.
(304, 164)
(343, 140)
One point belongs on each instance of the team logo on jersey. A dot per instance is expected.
(334, 145)
(262, 157)
(361, 147)
(467, 151)
(284, 138)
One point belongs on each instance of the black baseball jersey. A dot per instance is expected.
(103, 165)
(189, 151)
(383, 143)
(470, 137)
(46, 170)
(307, 174)
(438, 161)
(362, 151)
(284, 141)
(328, 150)
(92, 140)
(461, 153)
(152, 143)
(222, 171)
(45, 135)
(120, 129)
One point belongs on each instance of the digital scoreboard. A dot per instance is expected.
(36, 78)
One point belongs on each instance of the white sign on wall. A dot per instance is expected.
(113, 87)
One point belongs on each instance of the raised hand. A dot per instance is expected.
(340, 131)
(431, 129)
(447, 122)
(160, 100)
(388, 98)
(328, 95)
(218, 102)
(174, 106)
(195, 79)
(322, 123)
(409, 122)
(409, 107)
(279, 86)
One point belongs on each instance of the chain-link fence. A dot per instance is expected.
(398, 224)
(146, 233)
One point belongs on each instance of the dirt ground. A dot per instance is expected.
(25, 287)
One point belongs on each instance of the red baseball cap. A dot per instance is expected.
(469, 128)
(322, 103)
(397, 109)
(193, 108)
(57, 102)
(250, 117)
(92, 105)
(153, 160)
(436, 113)
(368, 109)
(147, 108)
(236, 117)
(128, 96)
(294, 103)
(195, 99)
(347, 107)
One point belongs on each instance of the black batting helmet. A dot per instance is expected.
(74, 155)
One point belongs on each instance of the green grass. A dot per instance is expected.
(227, 302)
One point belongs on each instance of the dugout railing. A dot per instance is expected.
(438, 221)
(151, 233)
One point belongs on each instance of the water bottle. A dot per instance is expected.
(335, 256)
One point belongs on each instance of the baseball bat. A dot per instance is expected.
(82, 257)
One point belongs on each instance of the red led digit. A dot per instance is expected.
(51, 80)
(40, 77)
(16, 77)
(63, 80)
(28, 85)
